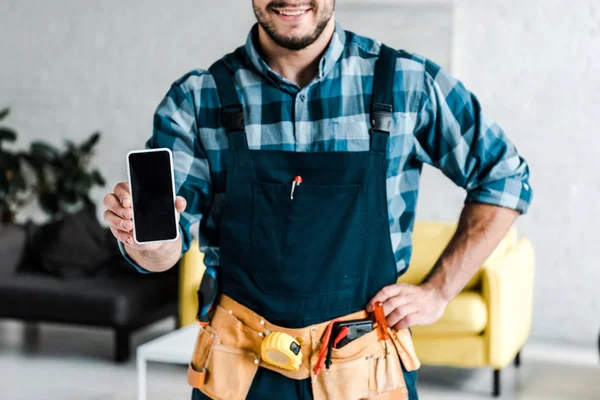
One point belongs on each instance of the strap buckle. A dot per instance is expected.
(381, 117)
(233, 117)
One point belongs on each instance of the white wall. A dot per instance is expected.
(71, 67)
(535, 66)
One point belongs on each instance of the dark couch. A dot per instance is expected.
(117, 297)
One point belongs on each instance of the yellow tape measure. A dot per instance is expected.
(282, 350)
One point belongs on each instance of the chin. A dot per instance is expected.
(295, 34)
(298, 29)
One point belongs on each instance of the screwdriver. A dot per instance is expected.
(343, 333)
(324, 348)
(333, 344)
(382, 326)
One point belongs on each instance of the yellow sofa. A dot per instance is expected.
(486, 325)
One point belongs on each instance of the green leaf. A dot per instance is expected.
(19, 181)
(4, 113)
(83, 184)
(44, 151)
(8, 135)
(29, 159)
(22, 155)
(71, 148)
(89, 144)
(69, 197)
(49, 203)
(98, 178)
(37, 167)
(9, 162)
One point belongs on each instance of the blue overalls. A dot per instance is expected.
(322, 255)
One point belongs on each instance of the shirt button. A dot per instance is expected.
(302, 97)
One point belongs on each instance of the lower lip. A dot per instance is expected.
(291, 18)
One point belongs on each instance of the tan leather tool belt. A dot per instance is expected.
(227, 355)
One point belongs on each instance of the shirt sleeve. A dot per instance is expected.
(175, 128)
(453, 135)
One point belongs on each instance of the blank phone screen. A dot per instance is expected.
(152, 196)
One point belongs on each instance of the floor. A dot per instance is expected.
(73, 363)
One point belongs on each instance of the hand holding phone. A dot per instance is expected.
(152, 189)
(149, 233)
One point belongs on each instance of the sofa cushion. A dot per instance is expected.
(430, 240)
(465, 315)
(106, 301)
(12, 245)
(74, 246)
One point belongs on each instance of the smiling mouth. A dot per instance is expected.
(291, 13)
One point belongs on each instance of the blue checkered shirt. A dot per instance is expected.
(436, 120)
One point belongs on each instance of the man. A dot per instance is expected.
(300, 154)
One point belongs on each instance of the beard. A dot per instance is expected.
(293, 42)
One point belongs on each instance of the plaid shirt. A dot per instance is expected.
(435, 121)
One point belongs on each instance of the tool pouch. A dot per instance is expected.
(368, 368)
(403, 342)
(226, 358)
(220, 371)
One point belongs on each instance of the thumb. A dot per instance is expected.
(180, 204)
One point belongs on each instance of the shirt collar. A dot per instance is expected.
(330, 57)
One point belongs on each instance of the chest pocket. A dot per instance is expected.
(311, 244)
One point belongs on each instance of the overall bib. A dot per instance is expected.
(321, 255)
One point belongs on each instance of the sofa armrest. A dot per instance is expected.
(191, 270)
(507, 288)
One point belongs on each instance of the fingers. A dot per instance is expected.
(117, 222)
(394, 302)
(410, 320)
(384, 294)
(121, 190)
(406, 305)
(399, 305)
(180, 204)
(400, 314)
(118, 213)
(122, 236)
(112, 203)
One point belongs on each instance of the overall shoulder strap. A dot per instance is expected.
(383, 81)
(381, 106)
(232, 111)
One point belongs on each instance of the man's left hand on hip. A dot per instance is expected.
(407, 305)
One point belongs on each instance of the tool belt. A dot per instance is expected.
(227, 355)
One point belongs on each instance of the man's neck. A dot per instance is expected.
(298, 66)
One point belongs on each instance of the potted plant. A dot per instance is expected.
(64, 178)
(72, 243)
(60, 180)
(14, 192)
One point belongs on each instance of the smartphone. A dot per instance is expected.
(152, 189)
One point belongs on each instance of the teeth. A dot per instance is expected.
(292, 13)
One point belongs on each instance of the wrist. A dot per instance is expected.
(440, 289)
(155, 259)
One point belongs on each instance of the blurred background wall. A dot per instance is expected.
(71, 67)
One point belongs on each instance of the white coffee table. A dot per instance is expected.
(175, 348)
